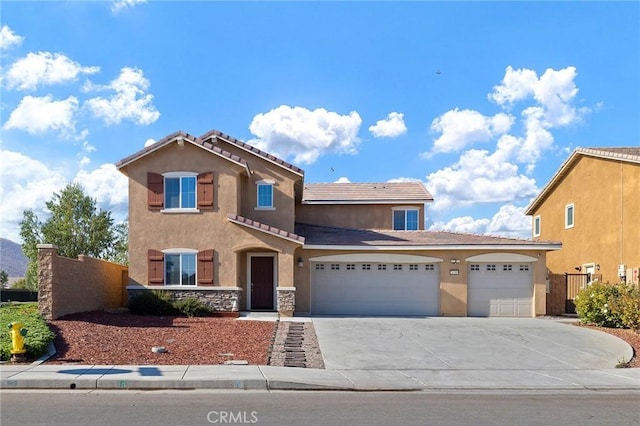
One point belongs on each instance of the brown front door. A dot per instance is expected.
(262, 282)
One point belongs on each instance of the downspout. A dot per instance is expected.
(621, 214)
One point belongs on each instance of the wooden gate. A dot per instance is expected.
(575, 283)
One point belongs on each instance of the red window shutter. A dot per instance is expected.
(205, 191)
(155, 191)
(155, 260)
(205, 267)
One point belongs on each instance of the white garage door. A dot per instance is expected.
(500, 290)
(375, 288)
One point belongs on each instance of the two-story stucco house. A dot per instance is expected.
(214, 217)
(592, 205)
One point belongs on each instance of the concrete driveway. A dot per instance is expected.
(434, 343)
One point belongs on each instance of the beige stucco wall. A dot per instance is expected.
(66, 286)
(369, 216)
(606, 199)
(453, 288)
(206, 229)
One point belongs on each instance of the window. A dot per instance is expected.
(382, 267)
(351, 267)
(429, 267)
(491, 267)
(536, 226)
(366, 267)
(397, 267)
(180, 192)
(335, 266)
(507, 267)
(265, 194)
(524, 267)
(568, 216)
(319, 266)
(413, 267)
(475, 267)
(180, 269)
(405, 220)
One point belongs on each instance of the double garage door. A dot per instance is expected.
(500, 290)
(361, 288)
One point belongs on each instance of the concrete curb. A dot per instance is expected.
(263, 378)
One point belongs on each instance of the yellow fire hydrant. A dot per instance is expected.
(17, 338)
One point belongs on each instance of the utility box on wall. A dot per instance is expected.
(633, 276)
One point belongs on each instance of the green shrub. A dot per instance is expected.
(192, 307)
(38, 335)
(595, 305)
(627, 305)
(155, 302)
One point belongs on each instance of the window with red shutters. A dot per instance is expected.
(205, 191)
(155, 260)
(155, 191)
(205, 267)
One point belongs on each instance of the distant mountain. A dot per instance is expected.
(12, 260)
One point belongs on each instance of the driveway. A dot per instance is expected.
(435, 343)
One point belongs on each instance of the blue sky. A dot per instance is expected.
(480, 101)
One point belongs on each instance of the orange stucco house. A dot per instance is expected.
(592, 205)
(216, 218)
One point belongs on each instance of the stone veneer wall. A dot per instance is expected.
(286, 301)
(67, 286)
(224, 301)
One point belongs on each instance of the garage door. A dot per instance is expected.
(362, 288)
(500, 290)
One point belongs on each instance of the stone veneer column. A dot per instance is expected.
(286, 301)
(46, 254)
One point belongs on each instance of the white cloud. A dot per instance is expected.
(37, 115)
(305, 134)
(149, 142)
(8, 38)
(403, 179)
(44, 68)
(478, 178)
(461, 128)
(26, 184)
(554, 93)
(509, 221)
(120, 5)
(343, 179)
(106, 184)
(391, 127)
(129, 102)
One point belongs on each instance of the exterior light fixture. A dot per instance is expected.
(300, 262)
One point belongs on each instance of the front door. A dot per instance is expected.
(262, 282)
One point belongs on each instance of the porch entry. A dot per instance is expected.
(262, 281)
(574, 283)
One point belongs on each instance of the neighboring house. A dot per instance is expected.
(216, 218)
(592, 205)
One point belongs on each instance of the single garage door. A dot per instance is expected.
(362, 288)
(500, 290)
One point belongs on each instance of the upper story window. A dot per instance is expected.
(569, 216)
(265, 194)
(536, 226)
(405, 219)
(180, 191)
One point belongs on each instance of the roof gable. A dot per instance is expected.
(365, 193)
(181, 138)
(623, 154)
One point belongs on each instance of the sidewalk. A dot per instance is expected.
(250, 377)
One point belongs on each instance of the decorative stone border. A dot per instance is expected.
(286, 301)
(224, 301)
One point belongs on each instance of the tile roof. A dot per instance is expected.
(368, 193)
(331, 236)
(189, 138)
(241, 220)
(624, 154)
(250, 148)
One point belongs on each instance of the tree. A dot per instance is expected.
(4, 278)
(75, 226)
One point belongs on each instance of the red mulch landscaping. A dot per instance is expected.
(121, 338)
